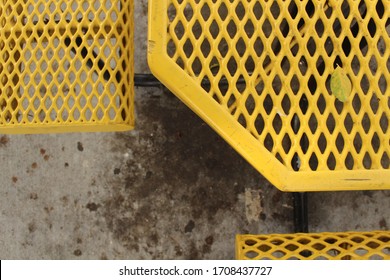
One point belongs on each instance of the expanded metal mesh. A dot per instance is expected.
(320, 246)
(267, 65)
(66, 65)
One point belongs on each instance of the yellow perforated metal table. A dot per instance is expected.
(66, 66)
(259, 73)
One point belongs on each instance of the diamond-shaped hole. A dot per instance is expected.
(357, 143)
(188, 12)
(371, 27)
(205, 12)
(367, 162)
(349, 161)
(277, 85)
(264, 248)
(340, 143)
(267, 28)
(251, 254)
(197, 30)
(214, 29)
(313, 123)
(286, 143)
(240, 10)
(205, 48)
(286, 104)
(258, 46)
(278, 254)
(284, 28)
(384, 123)
(345, 9)
(366, 123)
(269, 142)
(275, 10)
(337, 27)
(373, 65)
(179, 30)
(197, 66)
(232, 29)
(294, 84)
(249, 28)
(363, 46)
(311, 46)
(223, 11)
(355, 65)
(348, 123)
(250, 104)
(304, 143)
(249, 65)
(302, 65)
(375, 142)
(188, 48)
(329, 46)
(331, 162)
(268, 104)
(313, 162)
(382, 84)
(259, 124)
(385, 161)
(356, 104)
(322, 143)
(277, 123)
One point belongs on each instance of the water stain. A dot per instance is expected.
(177, 175)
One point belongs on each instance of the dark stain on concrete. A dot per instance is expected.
(80, 146)
(32, 227)
(92, 206)
(14, 179)
(383, 224)
(33, 196)
(4, 140)
(77, 252)
(190, 226)
(181, 171)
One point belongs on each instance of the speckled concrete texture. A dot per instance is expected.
(170, 189)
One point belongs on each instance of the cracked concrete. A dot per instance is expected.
(170, 189)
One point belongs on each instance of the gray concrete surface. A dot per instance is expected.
(170, 189)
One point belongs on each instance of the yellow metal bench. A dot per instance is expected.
(66, 66)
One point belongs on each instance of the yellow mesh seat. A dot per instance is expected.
(66, 65)
(259, 72)
(315, 246)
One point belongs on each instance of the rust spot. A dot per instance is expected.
(46, 157)
(34, 165)
(43, 151)
(14, 179)
(79, 240)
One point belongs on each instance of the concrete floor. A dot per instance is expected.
(170, 189)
